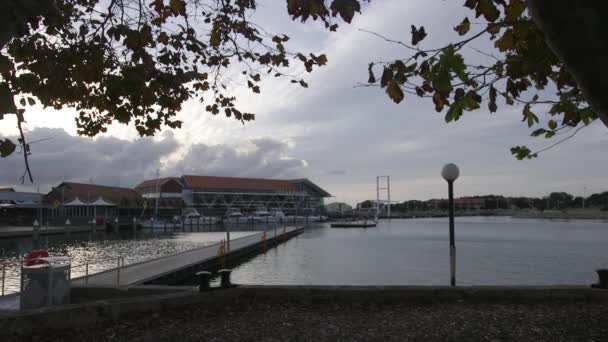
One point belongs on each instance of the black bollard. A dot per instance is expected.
(203, 281)
(603, 279)
(225, 278)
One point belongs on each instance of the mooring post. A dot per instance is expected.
(116, 228)
(203, 281)
(225, 278)
(134, 226)
(602, 283)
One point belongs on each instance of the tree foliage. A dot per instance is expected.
(522, 70)
(137, 61)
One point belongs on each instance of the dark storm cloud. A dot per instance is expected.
(112, 161)
(105, 160)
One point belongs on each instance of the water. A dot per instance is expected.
(490, 251)
(101, 250)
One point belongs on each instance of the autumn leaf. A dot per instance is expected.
(7, 147)
(387, 76)
(506, 42)
(439, 101)
(529, 116)
(463, 27)
(514, 10)
(417, 35)
(346, 9)
(394, 91)
(488, 9)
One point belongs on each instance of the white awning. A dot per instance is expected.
(75, 202)
(100, 202)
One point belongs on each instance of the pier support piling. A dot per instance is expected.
(225, 278)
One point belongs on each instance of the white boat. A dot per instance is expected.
(278, 215)
(261, 215)
(160, 224)
(191, 216)
(234, 215)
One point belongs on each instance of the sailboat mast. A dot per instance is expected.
(157, 194)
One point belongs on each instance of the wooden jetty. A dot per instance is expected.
(185, 263)
(354, 224)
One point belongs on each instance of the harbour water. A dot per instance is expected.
(490, 251)
(102, 250)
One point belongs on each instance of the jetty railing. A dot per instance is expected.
(11, 272)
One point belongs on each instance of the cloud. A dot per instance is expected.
(340, 136)
(117, 162)
(261, 157)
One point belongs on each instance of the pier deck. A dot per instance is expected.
(353, 224)
(145, 271)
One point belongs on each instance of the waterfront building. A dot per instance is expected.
(18, 208)
(213, 196)
(81, 202)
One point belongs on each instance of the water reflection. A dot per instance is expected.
(101, 250)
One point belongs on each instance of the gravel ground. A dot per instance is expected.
(247, 321)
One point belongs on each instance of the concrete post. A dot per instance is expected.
(93, 225)
(134, 225)
(116, 228)
(225, 278)
(203, 281)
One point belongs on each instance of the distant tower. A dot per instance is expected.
(383, 184)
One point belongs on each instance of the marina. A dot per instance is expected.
(188, 261)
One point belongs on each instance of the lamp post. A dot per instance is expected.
(450, 173)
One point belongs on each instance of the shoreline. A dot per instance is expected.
(520, 214)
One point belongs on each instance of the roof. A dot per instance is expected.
(156, 182)
(232, 183)
(100, 202)
(69, 191)
(75, 202)
(305, 181)
(20, 196)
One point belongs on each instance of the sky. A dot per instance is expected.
(336, 134)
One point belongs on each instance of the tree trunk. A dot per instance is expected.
(575, 33)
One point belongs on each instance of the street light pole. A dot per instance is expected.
(450, 173)
(452, 243)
